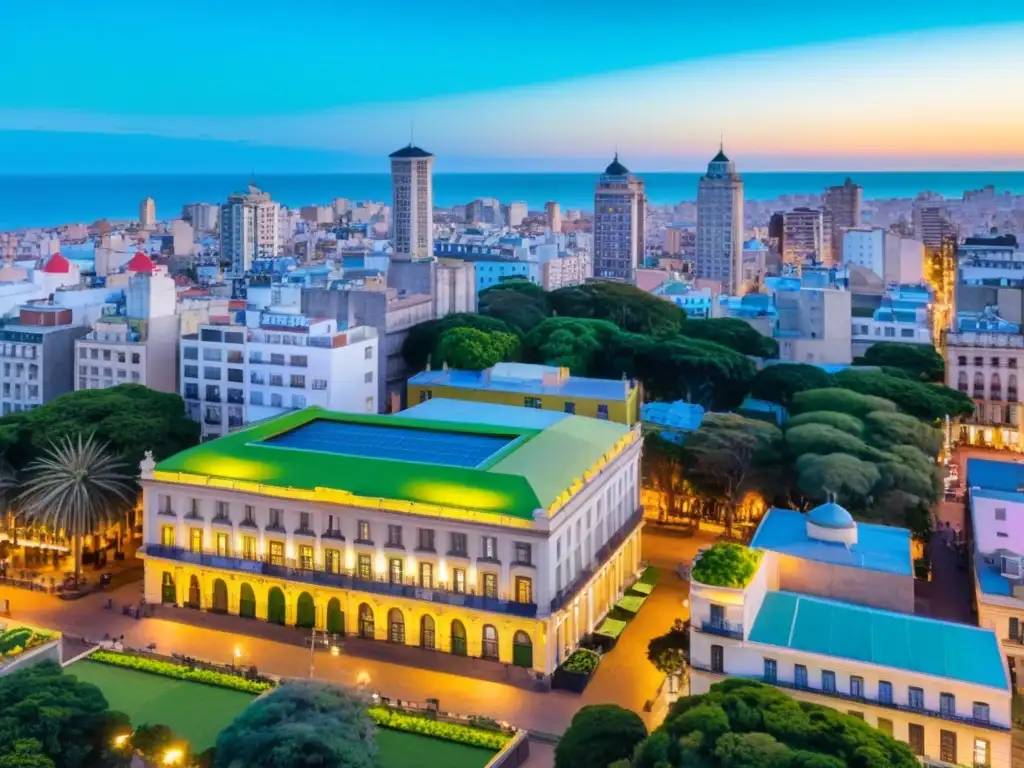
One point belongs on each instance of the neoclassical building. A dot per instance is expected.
(482, 530)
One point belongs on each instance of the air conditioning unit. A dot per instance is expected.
(1010, 566)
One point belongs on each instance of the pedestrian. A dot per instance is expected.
(958, 533)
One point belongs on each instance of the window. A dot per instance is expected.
(276, 515)
(306, 557)
(459, 580)
(332, 560)
(249, 547)
(368, 377)
(304, 522)
(828, 681)
(717, 659)
(256, 398)
(458, 545)
(800, 676)
(570, 407)
(885, 725)
(857, 686)
(947, 746)
(906, 333)
(223, 510)
(602, 412)
(489, 548)
(947, 704)
(167, 535)
(425, 394)
(426, 576)
(164, 504)
(524, 553)
(319, 383)
(394, 535)
(980, 712)
(915, 698)
(222, 544)
(425, 540)
(395, 570)
(250, 515)
(981, 753)
(524, 589)
(885, 691)
(490, 587)
(532, 402)
(771, 671)
(195, 539)
(368, 353)
(277, 553)
(369, 404)
(297, 381)
(915, 738)
(364, 531)
(1000, 513)
(365, 567)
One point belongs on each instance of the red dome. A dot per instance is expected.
(140, 262)
(57, 265)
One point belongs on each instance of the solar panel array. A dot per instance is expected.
(376, 441)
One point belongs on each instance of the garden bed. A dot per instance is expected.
(575, 672)
(630, 604)
(607, 635)
(181, 672)
(398, 749)
(410, 722)
(17, 640)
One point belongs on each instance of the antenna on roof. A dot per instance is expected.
(412, 131)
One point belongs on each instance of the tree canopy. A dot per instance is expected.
(628, 307)
(840, 401)
(780, 383)
(577, 344)
(742, 724)
(733, 333)
(474, 350)
(300, 725)
(129, 418)
(421, 341)
(520, 304)
(920, 361)
(925, 401)
(598, 735)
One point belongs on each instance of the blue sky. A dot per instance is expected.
(228, 85)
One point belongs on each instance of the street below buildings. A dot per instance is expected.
(625, 677)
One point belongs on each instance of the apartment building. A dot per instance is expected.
(533, 386)
(37, 356)
(807, 236)
(828, 616)
(249, 229)
(893, 259)
(904, 316)
(412, 187)
(719, 240)
(620, 223)
(421, 529)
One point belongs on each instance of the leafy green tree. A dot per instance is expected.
(47, 715)
(887, 430)
(75, 487)
(920, 361)
(472, 350)
(599, 735)
(733, 333)
(421, 341)
(841, 421)
(780, 383)
(729, 455)
(152, 741)
(925, 401)
(663, 471)
(522, 305)
(670, 653)
(129, 418)
(576, 344)
(630, 308)
(745, 724)
(300, 725)
(851, 479)
(824, 439)
(840, 401)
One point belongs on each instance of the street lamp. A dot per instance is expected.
(173, 756)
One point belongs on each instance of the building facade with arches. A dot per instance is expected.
(507, 538)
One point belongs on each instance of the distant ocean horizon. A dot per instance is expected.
(47, 201)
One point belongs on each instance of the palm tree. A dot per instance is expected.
(75, 487)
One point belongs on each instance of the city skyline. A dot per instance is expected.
(788, 91)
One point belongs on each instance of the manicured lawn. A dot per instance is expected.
(398, 749)
(194, 711)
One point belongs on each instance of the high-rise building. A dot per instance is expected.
(844, 202)
(204, 217)
(412, 212)
(807, 236)
(147, 214)
(485, 210)
(517, 211)
(719, 254)
(248, 229)
(931, 223)
(620, 213)
(554, 214)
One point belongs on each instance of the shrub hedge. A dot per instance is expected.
(396, 720)
(581, 661)
(179, 672)
(14, 641)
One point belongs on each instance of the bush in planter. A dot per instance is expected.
(461, 734)
(167, 669)
(581, 662)
(599, 734)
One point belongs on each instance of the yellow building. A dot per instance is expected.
(506, 537)
(533, 386)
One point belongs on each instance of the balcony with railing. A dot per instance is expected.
(722, 628)
(344, 579)
(873, 701)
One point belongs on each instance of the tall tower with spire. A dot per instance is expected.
(620, 218)
(412, 210)
(720, 224)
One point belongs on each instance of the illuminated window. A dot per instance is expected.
(196, 539)
(222, 544)
(167, 535)
(277, 553)
(249, 547)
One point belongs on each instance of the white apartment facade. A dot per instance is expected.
(893, 258)
(412, 212)
(719, 250)
(249, 229)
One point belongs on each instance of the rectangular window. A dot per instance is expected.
(222, 544)
(332, 561)
(306, 557)
(857, 686)
(394, 535)
(1000, 513)
(364, 531)
(717, 659)
(490, 585)
(304, 522)
(425, 540)
(570, 407)
(947, 746)
(915, 738)
(532, 402)
(771, 671)
(524, 590)
(426, 575)
(524, 553)
(365, 567)
(458, 544)
(250, 515)
(167, 535)
(885, 691)
(276, 518)
(489, 547)
(800, 676)
(981, 753)
(828, 681)
(223, 510)
(368, 353)
(459, 580)
(947, 704)
(885, 725)
(195, 539)
(249, 547)
(915, 698)
(980, 712)
(602, 412)
(395, 570)
(277, 553)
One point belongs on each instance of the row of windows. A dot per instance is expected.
(995, 362)
(92, 353)
(29, 351)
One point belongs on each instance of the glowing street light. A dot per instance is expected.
(173, 756)
(121, 740)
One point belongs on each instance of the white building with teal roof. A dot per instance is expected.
(823, 607)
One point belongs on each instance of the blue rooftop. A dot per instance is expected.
(831, 515)
(878, 548)
(991, 475)
(897, 640)
(678, 415)
(526, 379)
(472, 412)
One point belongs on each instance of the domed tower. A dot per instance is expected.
(719, 254)
(620, 212)
(831, 522)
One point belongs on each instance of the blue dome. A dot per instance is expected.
(831, 515)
